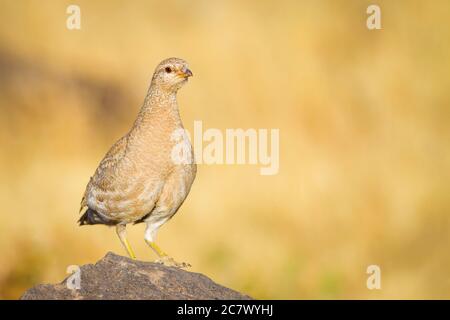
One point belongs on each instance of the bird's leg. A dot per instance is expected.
(156, 248)
(164, 258)
(121, 232)
(150, 233)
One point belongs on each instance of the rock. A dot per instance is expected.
(115, 277)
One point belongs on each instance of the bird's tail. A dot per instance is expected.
(93, 217)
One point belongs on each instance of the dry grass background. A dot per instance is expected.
(364, 129)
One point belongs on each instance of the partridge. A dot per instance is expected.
(139, 179)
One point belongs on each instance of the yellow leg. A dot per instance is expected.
(157, 249)
(121, 232)
(164, 258)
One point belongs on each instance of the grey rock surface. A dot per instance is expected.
(115, 278)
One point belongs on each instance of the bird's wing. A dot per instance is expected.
(109, 162)
(120, 191)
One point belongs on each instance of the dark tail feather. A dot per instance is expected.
(93, 217)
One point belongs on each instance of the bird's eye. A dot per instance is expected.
(168, 69)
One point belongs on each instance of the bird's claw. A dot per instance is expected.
(170, 262)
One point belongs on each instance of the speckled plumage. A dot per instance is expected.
(137, 180)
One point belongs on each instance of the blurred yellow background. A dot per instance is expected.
(364, 140)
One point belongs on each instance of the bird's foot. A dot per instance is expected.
(170, 262)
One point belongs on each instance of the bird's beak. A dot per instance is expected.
(185, 73)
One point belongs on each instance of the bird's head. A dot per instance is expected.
(171, 74)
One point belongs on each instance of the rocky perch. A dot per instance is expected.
(115, 277)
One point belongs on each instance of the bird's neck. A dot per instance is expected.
(158, 118)
(160, 105)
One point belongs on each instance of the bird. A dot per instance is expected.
(139, 180)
